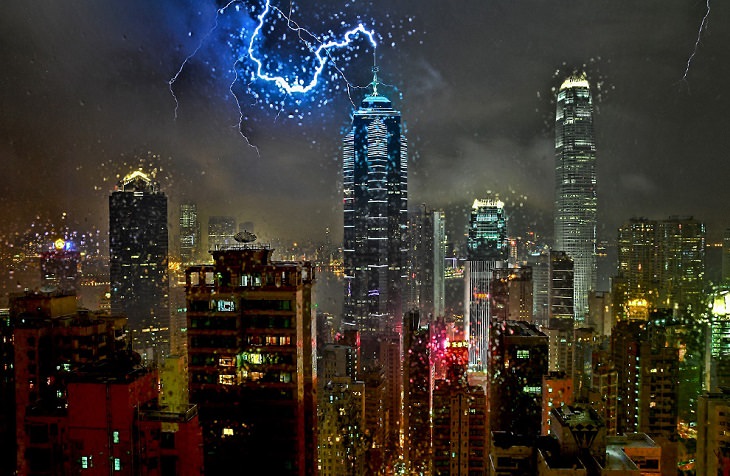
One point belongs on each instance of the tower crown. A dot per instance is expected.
(578, 80)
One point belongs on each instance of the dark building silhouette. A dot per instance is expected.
(138, 252)
(416, 394)
(251, 348)
(518, 361)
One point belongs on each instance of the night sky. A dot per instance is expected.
(84, 99)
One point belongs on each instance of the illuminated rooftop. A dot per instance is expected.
(575, 81)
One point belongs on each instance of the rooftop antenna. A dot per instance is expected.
(375, 75)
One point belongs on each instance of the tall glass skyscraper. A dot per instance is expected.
(375, 175)
(487, 248)
(575, 185)
(138, 262)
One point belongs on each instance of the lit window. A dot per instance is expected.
(117, 464)
(115, 437)
(523, 353)
(227, 431)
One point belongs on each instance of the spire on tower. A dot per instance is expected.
(375, 82)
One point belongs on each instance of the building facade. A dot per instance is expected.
(138, 262)
(375, 180)
(575, 185)
(487, 248)
(251, 335)
(189, 233)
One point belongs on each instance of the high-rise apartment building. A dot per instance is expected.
(138, 262)
(189, 233)
(375, 171)
(459, 420)
(251, 348)
(682, 270)
(575, 185)
(487, 248)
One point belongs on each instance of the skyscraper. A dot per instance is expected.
(138, 261)
(575, 185)
(427, 237)
(487, 246)
(375, 215)
(189, 232)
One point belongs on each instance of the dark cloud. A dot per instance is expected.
(84, 88)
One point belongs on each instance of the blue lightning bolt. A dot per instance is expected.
(703, 26)
(321, 53)
(252, 63)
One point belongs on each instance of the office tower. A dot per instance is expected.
(661, 264)
(138, 262)
(221, 230)
(487, 248)
(375, 218)
(60, 267)
(636, 288)
(487, 233)
(427, 286)
(518, 361)
(251, 354)
(713, 440)
(682, 270)
(189, 233)
(575, 185)
(459, 420)
(416, 394)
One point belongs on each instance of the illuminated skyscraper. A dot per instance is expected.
(575, 185)
(189, 233)
(138, 262)
(375, 215)
(487, 248)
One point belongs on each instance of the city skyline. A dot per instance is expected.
(473, 82)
